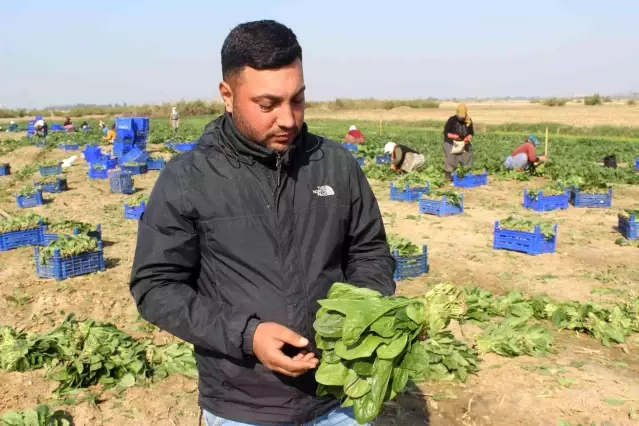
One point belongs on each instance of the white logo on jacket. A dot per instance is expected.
(324, 191)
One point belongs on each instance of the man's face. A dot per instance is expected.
(268, 105)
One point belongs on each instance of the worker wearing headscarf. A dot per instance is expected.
(458, 134)
(41, 128)
(354, 135)
(524, 156)
(13, 127)
(403, 158)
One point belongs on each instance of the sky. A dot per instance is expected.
(143, 51)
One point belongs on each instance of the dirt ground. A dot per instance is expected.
(500, 113)
(571, 385)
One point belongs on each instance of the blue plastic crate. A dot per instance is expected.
(121, 183)
(361, 161)
(135, 154)
(581, 199)
(49, 237)
(410, 266)
(98, 173)
(383, 159)
(155, 164)
(441, 207)
(470, 180)
(33, 201)
(533, 243)
(16, 239)
(351, 146)
(546, 203)
(69, 147)
(134, 212)
(120, 148)
(628, 227)
(182, 147)
(134, 170)
(51, 170)
(408, 194)
(59, 185)
(5, 170)
(637, 164)
(92, 153)
(61, 268)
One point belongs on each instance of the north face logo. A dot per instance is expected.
(324, 191)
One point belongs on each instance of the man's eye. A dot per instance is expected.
(266, 108)
(298, 100)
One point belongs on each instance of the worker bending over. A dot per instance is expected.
(403, 158)
(524, 156)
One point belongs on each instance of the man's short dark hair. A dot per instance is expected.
(260, 45)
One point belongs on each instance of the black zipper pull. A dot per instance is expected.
(278, 166)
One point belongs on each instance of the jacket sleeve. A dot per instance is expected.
(164, 277)
(369, 262)
(448, 128)
(471, 129)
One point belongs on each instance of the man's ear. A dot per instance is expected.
(227, 96)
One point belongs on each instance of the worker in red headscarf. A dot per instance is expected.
(354, 135)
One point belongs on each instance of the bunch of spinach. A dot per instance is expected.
(404, 246)
(27, 190)
(69, 245)
(21, 223)
(40, 416)
(515, 337)
(370, 344)
(452, 197)
(546, 228)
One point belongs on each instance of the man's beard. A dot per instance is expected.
(248, 131)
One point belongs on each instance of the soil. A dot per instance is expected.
(572, 384)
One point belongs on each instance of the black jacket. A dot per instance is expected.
(460, 128)
(234, 234)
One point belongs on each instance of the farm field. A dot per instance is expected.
(581, 381)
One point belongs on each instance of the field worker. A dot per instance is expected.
(68, 125)
(524, 156)
(110, 136)
(243, 235)
(103, 127)
(458, 134)
(13, 127)
(403, 158)
(354, 135)
(41, 128)
(175, 119)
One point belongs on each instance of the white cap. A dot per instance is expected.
(39, 123)
(13, 122)
(389, 147)
(352, 128)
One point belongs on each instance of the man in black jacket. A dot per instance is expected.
(244, 234)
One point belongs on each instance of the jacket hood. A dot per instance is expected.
(222, 135)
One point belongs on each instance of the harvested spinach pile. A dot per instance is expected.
(67, 226)
(21, 223)
(27, 190)
(533, 194)
(43, 180)
(371, 344)
(40, 416)
(137, 199)
(513, 337)
(452, 197)
(462, 172)
(88, 353)
(546, 228)
(630, 212)
(69, 245)
(608, 324)
(404, 246)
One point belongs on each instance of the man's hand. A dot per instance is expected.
(453, 136)
(268, 341)
(542, 158)
(468, 138)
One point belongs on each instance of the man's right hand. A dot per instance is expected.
(453, 136)
(268, 341)
(542, 158)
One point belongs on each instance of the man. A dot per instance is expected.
(524, 156)
(403, 158)
(13, 127)
(175, 120)
(354, 135)
(458, 133)
(243, 235)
